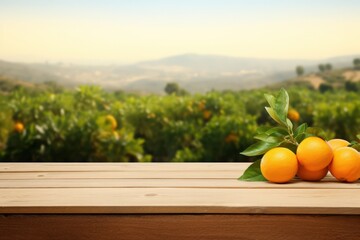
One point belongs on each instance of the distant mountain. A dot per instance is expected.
(25, 72)
(195, 73)
(216, 63)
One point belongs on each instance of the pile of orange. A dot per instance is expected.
(313, 159)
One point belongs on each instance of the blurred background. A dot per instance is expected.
(139, 81)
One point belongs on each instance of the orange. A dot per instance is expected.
(109, 119)
(19, 127)
(337, 143)
(232, 137)
(293, 115)
(314, 154)
(307, 175)
(279, 165)
(207, 114)
(201, 105)
(345, 166)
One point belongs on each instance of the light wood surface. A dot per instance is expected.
(152, 188)
(122, 167)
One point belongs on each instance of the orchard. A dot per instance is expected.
(91, 125)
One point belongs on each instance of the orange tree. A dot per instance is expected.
(215, 126)
(68, 127)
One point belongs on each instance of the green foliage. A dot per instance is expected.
(173, 88)
(65, 128)
(352, 86)
(325, 67)
(321, 67)
(324, 87)
(282, 135)
(328, 67)
(341, 119)
(300, 70)
(225, 136)
(356, 63)
(69, 125)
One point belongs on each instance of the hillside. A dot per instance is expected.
(332, 79)
(195, 73)
(9, 84)
(26, 72)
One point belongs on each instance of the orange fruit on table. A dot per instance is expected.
(337, 143)
(345, 166)
(314, 153)
(279, 165)
(307, 175)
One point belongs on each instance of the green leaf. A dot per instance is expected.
(289, 146)
(270, 99)
(287, 101)
(266, 138)
(300, 129)
(40, 129)
(253, 173)
(277, 131)
(300, 133)
(300, 137)
(261, 136)
(262, 129)
(355, 145)
(273, 115)
(259, 148)
(282, 105)
(289, 123)
(358, 136)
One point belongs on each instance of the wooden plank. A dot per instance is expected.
(180, 200)
(230, 174)
(170, 183)
(113, 167)
(182, 227)
(233, 174)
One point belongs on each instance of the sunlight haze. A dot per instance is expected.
(123, 32)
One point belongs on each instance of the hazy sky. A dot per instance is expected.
(109, 31)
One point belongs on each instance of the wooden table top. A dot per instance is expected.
(144, 188)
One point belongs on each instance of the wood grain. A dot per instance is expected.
(182, 227)
(169, 201)
(113, 167)
(169, 183)
(231, 174)
(163, 188)
(181, 200)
